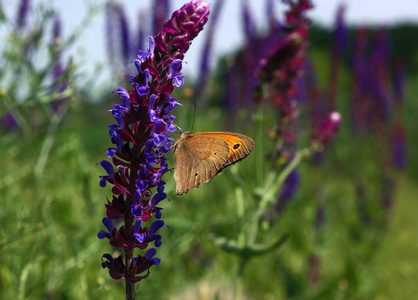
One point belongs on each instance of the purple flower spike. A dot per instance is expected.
(143, 123)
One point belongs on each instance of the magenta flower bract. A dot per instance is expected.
(327, 128)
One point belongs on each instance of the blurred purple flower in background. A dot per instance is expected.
(142, 21)
(400, 75)
(9, 122)
(58, 70)
(22, 14)
(207, 47)
(361, 82)
(118, 38)
(289, 189)
(398, 146)
(398, 136)
(160, 11)
(375, 96)
(339, 47)
(376, 110)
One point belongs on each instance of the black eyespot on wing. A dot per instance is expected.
(236, 146)
(197, 174)
(214, 153)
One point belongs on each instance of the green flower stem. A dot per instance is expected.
(49, 139)
(269, 196)
(240, 204)
(238, 289)
(258, 118)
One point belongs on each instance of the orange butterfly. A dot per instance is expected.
(198, 157)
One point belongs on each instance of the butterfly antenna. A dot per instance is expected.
(194, 113)
(171, 121)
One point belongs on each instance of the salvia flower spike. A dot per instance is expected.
(140, 138)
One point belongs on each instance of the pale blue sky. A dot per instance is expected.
(228, 35)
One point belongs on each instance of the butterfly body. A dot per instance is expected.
(198, 157)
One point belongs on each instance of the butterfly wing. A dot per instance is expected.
(240, 146)
(198, 157)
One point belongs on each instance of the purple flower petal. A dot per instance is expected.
(136, 211)
(157, 198)
(109, 225)
(125, 97)
(109, 169)
(155, 226)
(159, 139)
(157, 125)
(172, 73)
(107, 259)
(150, 253)
(137, 226)
(110, 152)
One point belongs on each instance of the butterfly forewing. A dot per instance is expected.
(239, 145)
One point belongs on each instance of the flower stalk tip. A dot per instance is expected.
(328, 128)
